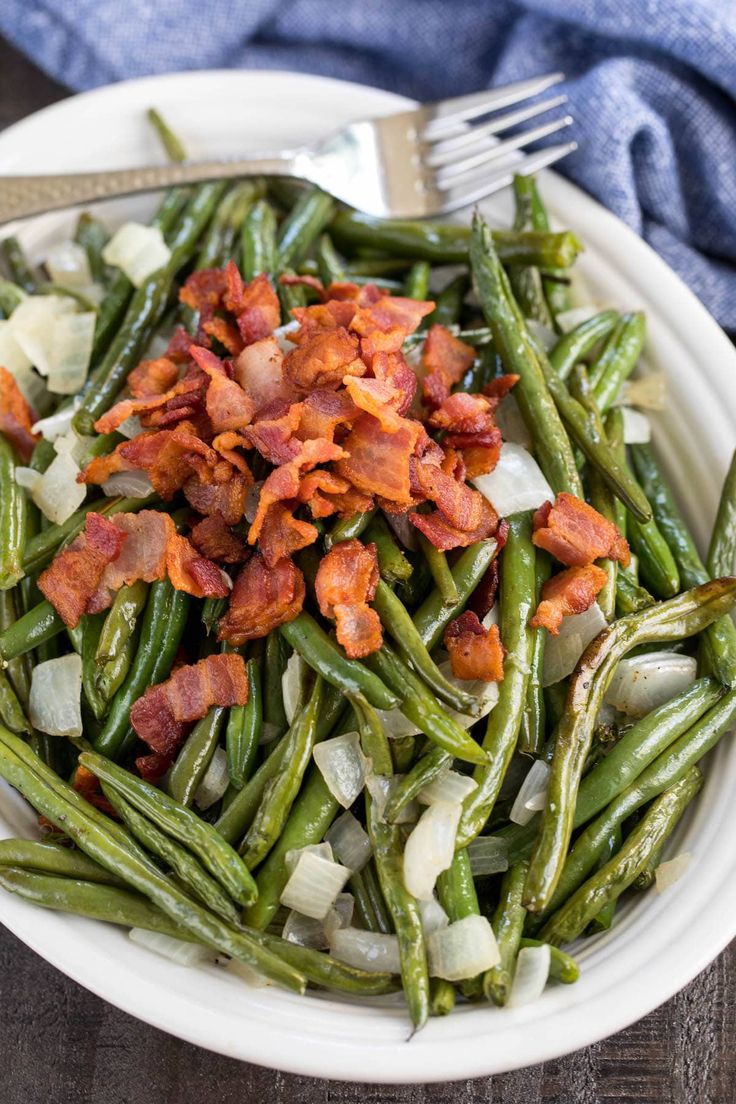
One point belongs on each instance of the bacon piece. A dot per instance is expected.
(179, 345)
(439, 530)
(281, 534)
(481, 452)
(573, 590)
(463, 413)
(460, 504)
(143, 555)
(283, 482)
(577, 534)
(385, 324)
(323, 412)
(167, 455)
(375, 397)
(292, 279)
(393, 369)
(161, 715)
(87, 785)
(499, 387)
(204, 291)
(215, 540)
(259, 370)
(224, 332)
(262, 599)
(475, 652)
(192, 573)
(186, 391)
(321, 318)
(75, 573)
(324, 493)
(323, 360)
(378, 462)
(273, 432)
(445, 360)
(226, 498)
(153, 377)
(346, 581)
(16, 416)
(154, 766)
(255, 305)
(228, 406)
(483, 598)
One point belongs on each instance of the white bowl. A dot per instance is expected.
(658, 943)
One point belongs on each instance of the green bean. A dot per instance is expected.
(373, 739)
(311, 815)
(619, 873)
(456, 889)
(244, 729)
(648, 877)
(416, 285)
(219, 241)
(330, 267)
(317, 649)
(384, 923)
(449, 303)
(186, 868)
(173, 147)
(555, 281)
(533, 717)
(603, 920)
(49, 858)
(525, 280)
(258, 241)
(618, 358)
(562, 967)
(630, 597)
(119, 638)
(41, 549)
(161, 630)
(349, 528)
(674, 619)
(302, 226)
(322, 970)
(92, 235)
(720, 638)
(403, 752)
(508, 925)
(275, 660)
(441, 997)
(195, 756)
(40, 624)
(420, 707)
(388, 855)
(364, 910)
(397, 621)
(442, 243)
(573, 346)
(91, 625)
(212, 611)
(428, 767)
(18, 669)
(440, 571)
(11, 710)
(722, 551)
(176, 820)
(17, 264)
(504, 720)
(13, 519)
(283, 789)
(10, 296)
(656, 563)
(392, 563)
(533, 392)
(433, 615)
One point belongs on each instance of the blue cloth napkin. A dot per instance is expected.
(652, 83)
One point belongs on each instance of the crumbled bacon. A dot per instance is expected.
(499, 387)
(438, 529)
(445, 360)
(323, 360)
(142, 556)
(259, 370)
(16, 416)
(228, 405)
(215, 540)
(282, 535)
(161, 716)
(573, 590)
(262, 599)
(73, 576)
(346, 581)
(167, 456)
(153, 767)
(384, 325)
(475, 652)
(273, 432)
(192, 573)
(483, 598)
(576, 534)
(323, 412)
(255, 305)
(153, 377)
(87, 785)
(378, 462)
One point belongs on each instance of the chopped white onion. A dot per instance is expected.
(488, 855)
(532, 795)
(434, 917)
(73, 336)
(570, 319)
(648, 392)
(667, 873)
(380, 788)
(281, 333)
(131, 427)
(138, 250)
(350, 842)
(430, 847)
(56, 424)
(342, 765)
(485, 694)
(637, 427)
(292, 684)
(58, 494)
(562, 652)
(12, 355)
(32, 325)
(543, 335)
(644, 682)
(215, 781)
(530, 976)
(374, 952)
(403, 529)
(27, 478)
(340, 915)
(395, 724)
(314, 885)
(54, 703)
(321, 850)
(510, 421)
(491, 618)
(516, 483)
(176, 950)
(463, 949)
(449, 785)
(72, 444)
(305, 931)
(67, 265)
(130, 484)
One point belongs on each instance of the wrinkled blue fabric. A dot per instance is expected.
(652, 83)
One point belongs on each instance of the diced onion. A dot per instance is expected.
(644, 682)
(27, 478)
(350, 842)
(648, 392)
(215, 781)
(281, 333)
(485, 694)
(73, 336)
(58, 494)
(314, 885)
(12, 355)
(463, 949)
(491, 618)
(562, 652)
(247, 974)
(511, 423)
(488, 855)
(138, 250)
(434, 917)
(305, 931)
(67, 265)
(374, 952)
(32, 324)
(321, 850)
(131, 427)
(543, 335)
(56, 424)
(530, 976)
(55, 699)
(340, 915)
(430, 847)
(72, 444)
(516, 483)
(395, 724)
(176, 950)
(532, 795)
(667, 873)
(637, 427)
(570, 319)
(342, 765)
(292, 684)
(403, 529)
(130, 484)
(449, 785)
(380, 788)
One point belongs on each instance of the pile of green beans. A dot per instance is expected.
(156, 859)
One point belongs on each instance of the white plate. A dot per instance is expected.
(658, 943)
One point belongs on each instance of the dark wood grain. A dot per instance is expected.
(60, 1044)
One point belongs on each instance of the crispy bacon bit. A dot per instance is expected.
(228, 406)
(87, 785)
(323, 412)
(226, 497)
(259, 370)
(475, 652)
(393, 369)
(577, 534)
(438, 529)
(154, 766)
(143, 555)
(161, 716)
(215, 540)
(281, 534)
(460, 504)
(570, 591)
(192, 573)
(323, 360)
(292, 279)
(167, 456)
(226, 333)
(346, 581)
(16, 416)
(74, 575)
(204, 290)
(385, 324)
(283, 482)
(255, 305)
(445, 360)
(179, 345)
(378, 462)
(322, 318)
(262, 599)
(153, 377)
(184, 392)
(483, 597)
(376, 397)
(273, 432)
(498, 388)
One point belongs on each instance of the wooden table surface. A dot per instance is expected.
(60, 1044)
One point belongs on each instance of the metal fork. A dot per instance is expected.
(431, 160)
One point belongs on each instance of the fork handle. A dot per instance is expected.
(21, 196)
